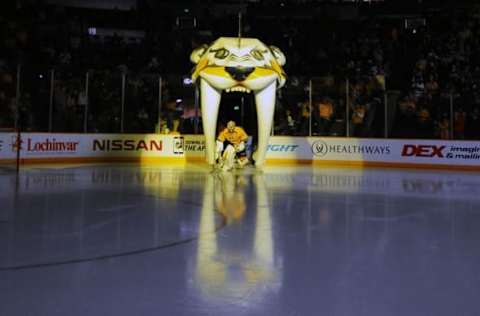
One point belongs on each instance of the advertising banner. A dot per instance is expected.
(188, 146)
(7, 145)
(376, 150)
(129, 145)
(185, 147)
(45, 145)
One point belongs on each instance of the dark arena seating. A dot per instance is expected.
(406, 69)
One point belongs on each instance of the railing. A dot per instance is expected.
(112, 101)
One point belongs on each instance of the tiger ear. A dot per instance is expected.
(198, 53)
(279, 56)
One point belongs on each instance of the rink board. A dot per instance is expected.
(45, 147)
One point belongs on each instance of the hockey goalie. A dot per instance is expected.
(231, 147)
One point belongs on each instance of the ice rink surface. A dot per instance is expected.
(180, 240)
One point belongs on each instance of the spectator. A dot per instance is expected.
(324, 116)
(472, 124)
(444, 128)
(359, 111)
(459, 124)
(305, 111)
(424, 127)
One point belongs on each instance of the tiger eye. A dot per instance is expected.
(257, 54)
(220, 53)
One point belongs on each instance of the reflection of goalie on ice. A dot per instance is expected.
(231, 147)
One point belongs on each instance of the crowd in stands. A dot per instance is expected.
(345, 75)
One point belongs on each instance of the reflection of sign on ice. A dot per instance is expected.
(48, 180)
(424, 185)
(178, 142)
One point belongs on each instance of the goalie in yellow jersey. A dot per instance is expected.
(231, 145)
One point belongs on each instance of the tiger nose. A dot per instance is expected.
(239, 74)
